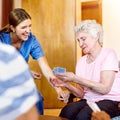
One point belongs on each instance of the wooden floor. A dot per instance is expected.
(53, 112)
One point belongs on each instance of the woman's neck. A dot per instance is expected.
(93, 55)
(15, 42)
(14, 38)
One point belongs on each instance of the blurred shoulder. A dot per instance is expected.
(8, 54)
(7, 48)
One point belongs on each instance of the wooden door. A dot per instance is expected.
(52, 23)
(92, 10)
(5, 7)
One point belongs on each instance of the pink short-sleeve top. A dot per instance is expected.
(106, 60)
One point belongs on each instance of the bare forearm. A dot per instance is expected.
(47, 72)
(97, 87)
(44, 66)
(75, 91)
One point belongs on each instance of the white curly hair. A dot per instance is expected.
(91, 27)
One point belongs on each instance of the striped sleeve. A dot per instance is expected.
(18, 91)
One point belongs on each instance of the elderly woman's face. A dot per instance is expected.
(86, 42)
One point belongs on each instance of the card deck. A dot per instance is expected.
(58, 70)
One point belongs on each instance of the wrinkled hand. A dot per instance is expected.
(66, 77)
(63, 95)
(36, 75)
(58, 83)
(100, 116)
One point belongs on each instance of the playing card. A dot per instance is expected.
(58, 70)
(54, 70)
(61, 70)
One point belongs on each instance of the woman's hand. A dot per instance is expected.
(66, 77)
(63, 95)
(58, 83)
(36, 75)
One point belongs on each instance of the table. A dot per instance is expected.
(48, 117)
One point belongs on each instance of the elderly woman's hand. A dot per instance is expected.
(57, 83)
(66, 77)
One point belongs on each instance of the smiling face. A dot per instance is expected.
(22, 30)
(86, 42)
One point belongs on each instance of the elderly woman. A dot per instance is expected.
(96, 75)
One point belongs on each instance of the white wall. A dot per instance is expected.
(111, 24)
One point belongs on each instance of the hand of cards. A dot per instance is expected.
(58, 70)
